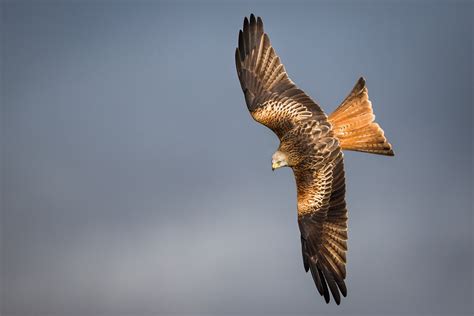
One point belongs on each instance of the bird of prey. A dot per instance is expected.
(311, 143)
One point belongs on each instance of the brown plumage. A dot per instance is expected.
(311, 144)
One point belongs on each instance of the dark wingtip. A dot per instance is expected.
(342, 288)
(327, 298)
(246, 22)
(260, 23)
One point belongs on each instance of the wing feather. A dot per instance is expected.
(322, 218)
(271, 97)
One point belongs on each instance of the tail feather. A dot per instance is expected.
(354, 126)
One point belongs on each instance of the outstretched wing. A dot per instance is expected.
(271, 97)
(322, 218)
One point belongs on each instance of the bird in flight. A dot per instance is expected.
(311, 144)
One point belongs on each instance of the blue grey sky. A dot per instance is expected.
(134, 181)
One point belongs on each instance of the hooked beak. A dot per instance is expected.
(275, 165)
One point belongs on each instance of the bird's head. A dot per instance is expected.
(279, 160)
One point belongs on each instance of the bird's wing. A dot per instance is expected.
(322, 219)
(271, 97)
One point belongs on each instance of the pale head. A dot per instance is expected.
(279, 160)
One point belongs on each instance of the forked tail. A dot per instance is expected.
(354, 126)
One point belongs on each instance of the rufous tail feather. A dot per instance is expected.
(353, 124)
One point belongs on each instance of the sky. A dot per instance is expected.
(134, 181)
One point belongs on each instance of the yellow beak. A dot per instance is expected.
(275, 165)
